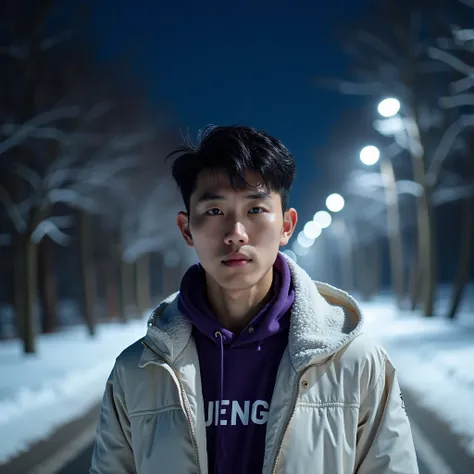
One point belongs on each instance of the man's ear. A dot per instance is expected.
(183, 223)
(290, 219)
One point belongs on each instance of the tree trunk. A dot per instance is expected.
(142, 280)
(126, 290)
(346, 255)
(171, 279)
(362, 272)
(47, 286)
(111, 291)
(414, 283)
(26, 291)
(87, 271)
(425, 218)
(374, 266)
(156, 278)
(426, 255)
(394, 230)
(467, 248)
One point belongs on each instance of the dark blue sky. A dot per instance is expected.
(244, 62)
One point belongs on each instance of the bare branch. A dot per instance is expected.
(377, 44)
(450, 194)
(450, 60)
(74, 199)
(62, 221)
(464, 35)
(407, 186)
(445, 145)
(51, 133)
(456, 101)
(463, 84)
(447, 43)
(97, 111)
(363, 183)
(12, 211)
(392, 150)
(25, 206)
(31, 125)
(28, 174)
(47, 227)
(60, 172)
(143, 245)
(389, 126)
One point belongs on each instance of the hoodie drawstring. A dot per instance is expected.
(220, 446)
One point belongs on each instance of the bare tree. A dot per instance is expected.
(456, 52)
(26, 45)
(390, 58)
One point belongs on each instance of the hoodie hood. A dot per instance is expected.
(270, 320)
(323, 320)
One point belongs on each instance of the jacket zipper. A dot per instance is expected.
(293, 409)
(185, 402)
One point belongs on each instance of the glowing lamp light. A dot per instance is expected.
(312, 230)
(299, 250)
(369, 155)
(304, 241)
(335, 202)
(323, 218)
(389, 107)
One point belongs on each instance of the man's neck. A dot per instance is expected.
(236, 309)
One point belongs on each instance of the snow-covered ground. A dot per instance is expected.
(65, 379)
(434, 358)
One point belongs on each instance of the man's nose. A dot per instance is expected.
(237, 235)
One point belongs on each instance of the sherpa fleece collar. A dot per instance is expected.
(323, 320)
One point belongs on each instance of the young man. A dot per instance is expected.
(251, 367)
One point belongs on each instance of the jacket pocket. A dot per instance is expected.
(321, 437)
(161, 441)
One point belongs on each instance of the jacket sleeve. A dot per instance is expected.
(113, 450)
(384, 439)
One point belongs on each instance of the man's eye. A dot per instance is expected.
(213, 212)
(256, 210)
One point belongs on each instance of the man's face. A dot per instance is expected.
(236, 233)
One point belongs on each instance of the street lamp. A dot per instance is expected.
(323, 218)
(369, 155)
(304, 241)
(389, 107)
(312, 230)
(335, 202)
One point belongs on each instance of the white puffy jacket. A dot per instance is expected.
(336, 408)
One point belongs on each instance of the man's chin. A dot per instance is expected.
(235, 282)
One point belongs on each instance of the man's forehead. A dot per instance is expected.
(219, 181)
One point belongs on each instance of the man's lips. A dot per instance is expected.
(236, 260)
(236, 257)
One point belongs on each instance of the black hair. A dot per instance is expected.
(234, 150)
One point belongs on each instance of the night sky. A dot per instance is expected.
(238, 62)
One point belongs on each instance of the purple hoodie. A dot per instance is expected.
(238, 371)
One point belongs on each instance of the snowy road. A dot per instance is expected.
(65, 379)
(439, 451)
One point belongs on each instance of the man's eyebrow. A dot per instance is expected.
(258, 195)
(207, 196)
